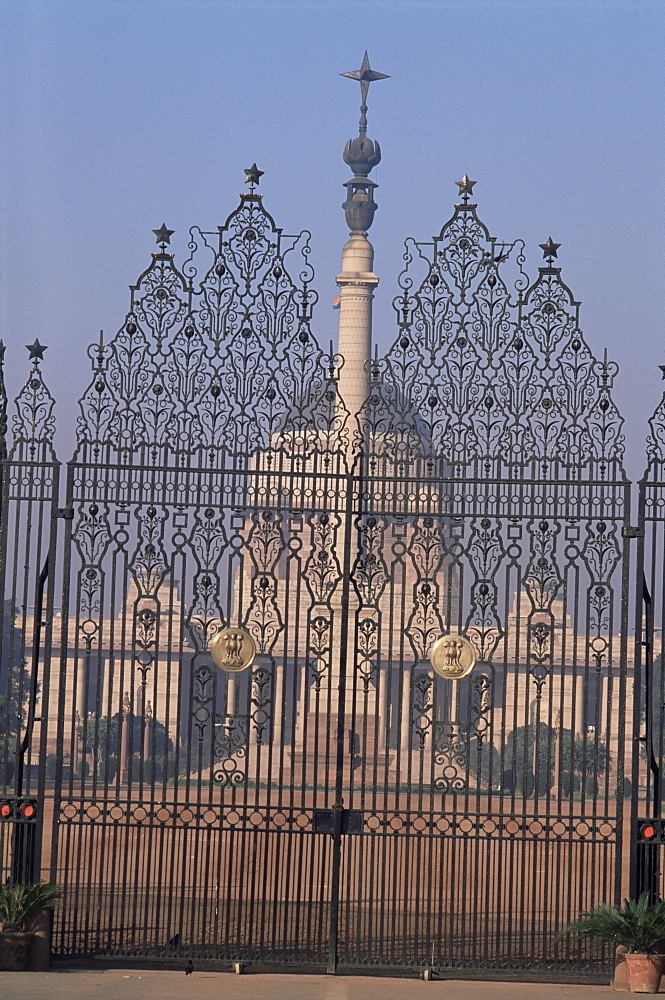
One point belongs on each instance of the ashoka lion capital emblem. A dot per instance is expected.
(452, 656)
(233, 649)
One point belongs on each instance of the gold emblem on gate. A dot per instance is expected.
(233, 649)
(452, 656)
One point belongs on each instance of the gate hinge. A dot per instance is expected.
(66, 513)
(632, 531)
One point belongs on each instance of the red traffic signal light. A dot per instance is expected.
(648, 831)
(16, 808)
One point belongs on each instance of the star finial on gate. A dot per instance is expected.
(253, 176)
(465, 187)
(36, 350)
(549, 249)
(662, 368)
(163, 235)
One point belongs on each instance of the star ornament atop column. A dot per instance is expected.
(549, 249)
(365, 75)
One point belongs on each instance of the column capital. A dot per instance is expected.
(358, 280)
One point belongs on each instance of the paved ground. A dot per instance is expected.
(124, 984)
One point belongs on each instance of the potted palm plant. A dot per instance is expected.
(637, 925)
(19, 905)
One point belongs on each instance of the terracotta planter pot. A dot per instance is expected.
(14, 947)
(644, 972)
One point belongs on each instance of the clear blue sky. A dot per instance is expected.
(118, 115)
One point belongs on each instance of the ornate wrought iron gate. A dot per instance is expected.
(339, 804)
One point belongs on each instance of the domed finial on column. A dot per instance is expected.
(361, 154)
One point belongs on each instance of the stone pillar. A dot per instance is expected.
(382, 718)
(230, 694)
(356, 282)
(405, 714)
(124, 738)
(277, 702)
(579, 706)
(603, 713)
(147, 732)
(82, 687)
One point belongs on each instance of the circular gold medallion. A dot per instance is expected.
(452, 656)
(233, 649)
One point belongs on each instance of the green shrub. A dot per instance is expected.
(20, 902)
(524, 783)
(638, 925)
(625, 790)
(152, 770)
(570, 783)
(591, 787)
(108, 768)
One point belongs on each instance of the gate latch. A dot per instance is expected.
(352, 821)
(632, 531)
(66, 513)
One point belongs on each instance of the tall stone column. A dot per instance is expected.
(356, 282)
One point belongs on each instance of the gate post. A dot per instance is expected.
(644, 852)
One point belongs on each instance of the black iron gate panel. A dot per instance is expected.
(210, 494)
(493, 511)
(336, 801)
(29, 517)
(647, 866)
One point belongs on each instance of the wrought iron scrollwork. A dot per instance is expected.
(485, 553)
(427, 550)
(230, 748)
(207, 541)
(266, 545)
(219, 355)
(450, 744)
(488, 374)
(33, 425)
(92, 536)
